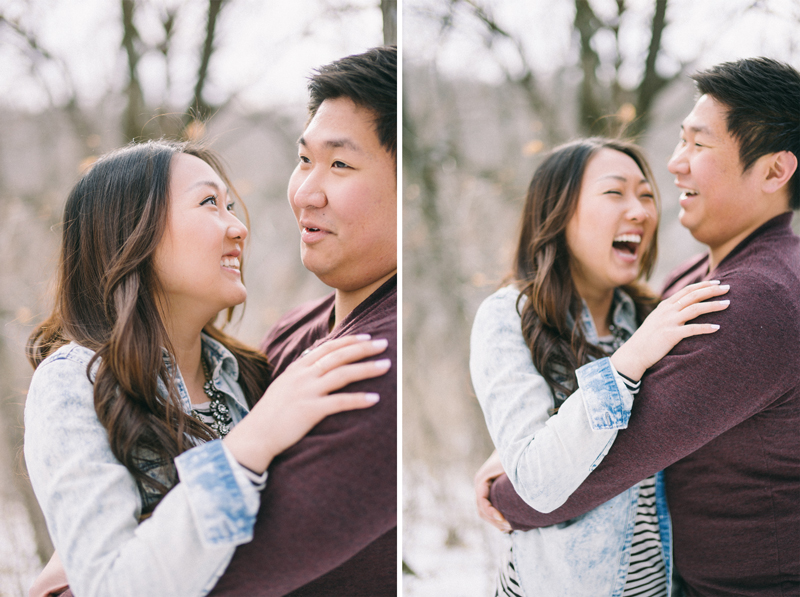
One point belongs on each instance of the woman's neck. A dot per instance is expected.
(187, 344)
(599, 305)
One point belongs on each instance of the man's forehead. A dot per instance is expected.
(340, 122)
(707, 117)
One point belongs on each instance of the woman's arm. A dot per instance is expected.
(91, 502)
(92, 505)
(546, 459)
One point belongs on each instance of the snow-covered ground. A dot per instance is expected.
(449, 549)
(19, 563)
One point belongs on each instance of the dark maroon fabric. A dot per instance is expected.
(722, 415)
(327, 523)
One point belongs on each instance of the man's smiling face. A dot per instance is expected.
(344, 196)
(718, 198)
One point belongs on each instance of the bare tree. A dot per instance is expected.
(137, 123)
(604, 107)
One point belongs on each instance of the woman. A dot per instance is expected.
(588, 235)
(138, 441)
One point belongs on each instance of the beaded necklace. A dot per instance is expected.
(217, 407)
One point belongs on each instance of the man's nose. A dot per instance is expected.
(678, 163)
(309, 192)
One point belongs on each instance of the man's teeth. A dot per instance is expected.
(628, 238)
(231, 262)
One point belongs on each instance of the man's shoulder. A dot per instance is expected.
(304, 314)
(376, 315)
(297, 330)
(690, 271)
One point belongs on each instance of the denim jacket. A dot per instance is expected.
(91, 502)
(547, 458)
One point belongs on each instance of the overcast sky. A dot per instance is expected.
(265, 49)
(701, 32)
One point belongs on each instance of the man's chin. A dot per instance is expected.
(688, 221)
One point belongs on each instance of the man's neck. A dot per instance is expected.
(345, 301)
(717, 253)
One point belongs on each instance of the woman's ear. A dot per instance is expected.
(781, 166)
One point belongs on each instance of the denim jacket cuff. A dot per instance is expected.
(608, 402)
(222, 499)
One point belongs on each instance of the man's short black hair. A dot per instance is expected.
(762, 97)
(370, 80)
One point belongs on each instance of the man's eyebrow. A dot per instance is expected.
(698, 129)
(334, 143)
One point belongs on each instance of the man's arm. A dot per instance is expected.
(703, 388)
(328, 497)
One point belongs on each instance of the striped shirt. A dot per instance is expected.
(646, 571)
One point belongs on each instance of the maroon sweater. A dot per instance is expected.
(722, 415)
(328, 518)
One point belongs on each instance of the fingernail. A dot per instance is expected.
(714, 325)
(383, 363)
(725, 287)
(383, 343)
(713, 281)
(372, 398)
(724, 302)
(363, 336)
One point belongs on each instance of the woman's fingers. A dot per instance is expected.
(349, 353)
(346, 374)
(696, 310)
(705, 284)
(696, 329)
(485, 509)
(318, 352)
(336, 403)
(701, 293)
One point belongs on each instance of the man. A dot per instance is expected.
(327, 523)
(722, 414)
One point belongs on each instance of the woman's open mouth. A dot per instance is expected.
(627, 245)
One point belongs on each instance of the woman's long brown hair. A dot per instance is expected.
(107, 299)
(542, 264)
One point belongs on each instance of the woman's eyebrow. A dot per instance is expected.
(621, 178)
(208, 183)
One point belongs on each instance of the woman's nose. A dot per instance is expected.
(236, 229)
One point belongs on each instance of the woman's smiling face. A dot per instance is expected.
(613, 224)
(197, 260)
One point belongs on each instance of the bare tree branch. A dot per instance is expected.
(526, 80)
(132, 122)
(201, 108)
(590, 106)
(652, 83)
(389, 12)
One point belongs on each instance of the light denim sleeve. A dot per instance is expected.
(91, 503)
(545, 458)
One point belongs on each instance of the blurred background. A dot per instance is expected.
(81, 77)
(489, 87)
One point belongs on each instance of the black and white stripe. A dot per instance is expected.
(647, 576)
(507, 580)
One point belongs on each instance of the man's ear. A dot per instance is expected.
(781, 166)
